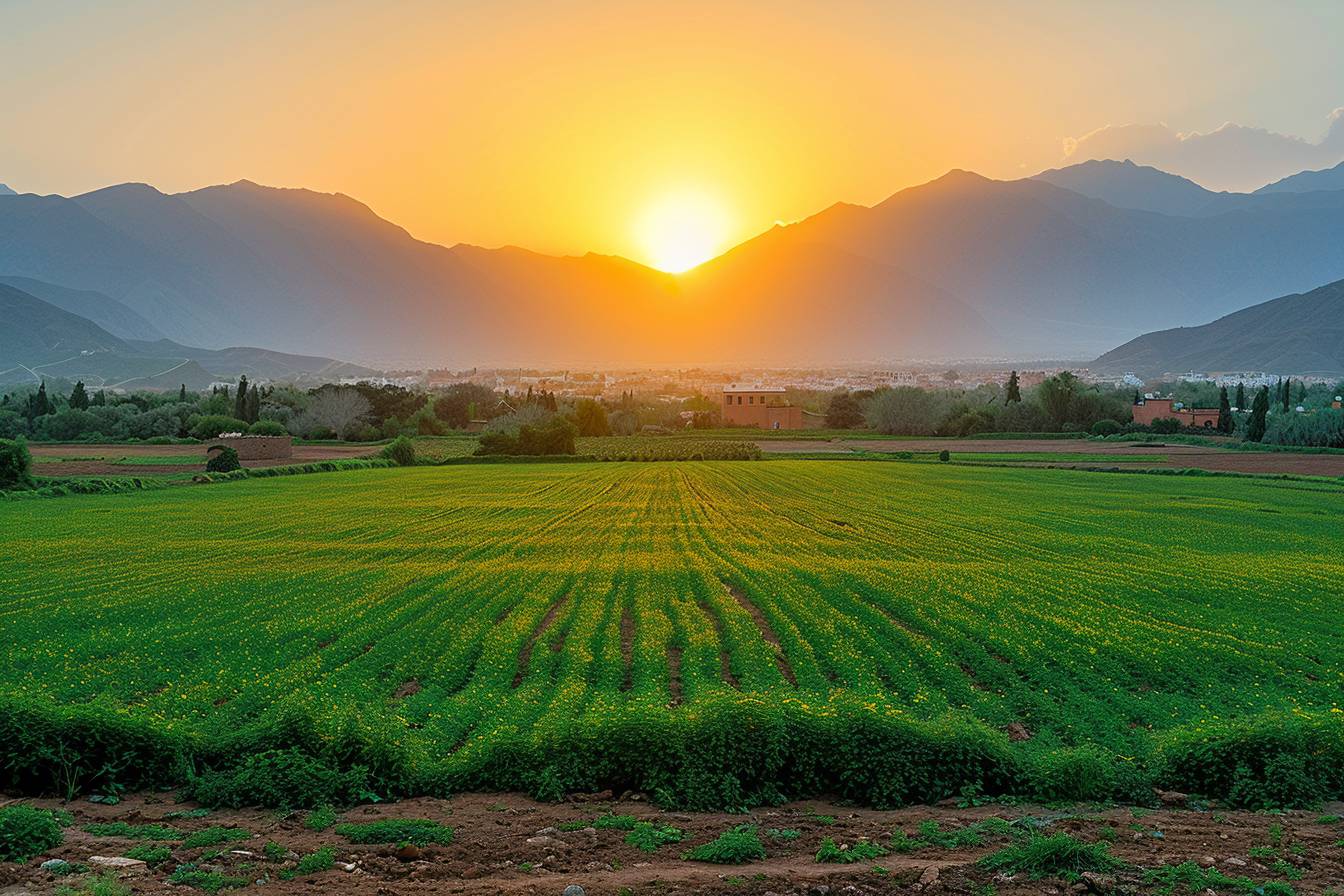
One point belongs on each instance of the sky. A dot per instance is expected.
(659, 131)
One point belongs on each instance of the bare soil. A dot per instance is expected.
(52, 459)
(508, 844)
(1168, 455)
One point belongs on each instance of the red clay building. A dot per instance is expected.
(1146, 410)
(763, 407)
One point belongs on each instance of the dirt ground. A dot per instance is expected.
(55, 459)
(508, 844)
(1169, 455)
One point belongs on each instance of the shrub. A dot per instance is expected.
(150, 855)
(944, 455)
(16, 464)
(211, 426)
(554, 436)
(1056, 856)
(1166, 426)
(223, 459)
(1105, 428)
(736, 846)
(124, 831)
(266, 428)
(26, 832)
(320, 818)
(209, 881)
(648, 836)
(420, 831)
(213, 836)
(847, 854)
(401, 452)
(313, 863)
(289, 778)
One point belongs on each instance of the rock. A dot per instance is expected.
(56, 865)
(1098, 883)
(1208, 861)
(1233, 860)
(540, 840)
(1017, 732)
(547, 832)
(408, 853)
(593, 867)
(116, 862)
(472, 872)
(573, 890)
(347, 867)
(929, 877)
(1172, 798)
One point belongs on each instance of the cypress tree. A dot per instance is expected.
(1224, 411)
(240, 401)
(1014, 391)
(1241, 396)
(1255, 429)
(253, 405)
(79, 397)
(99, 399)
(39, 405)
(1287, 392)
(182, 394)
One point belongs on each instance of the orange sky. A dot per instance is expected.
(557, 126)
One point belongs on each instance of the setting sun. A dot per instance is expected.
(681, 230)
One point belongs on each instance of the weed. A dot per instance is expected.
(320, 818)
(150, 854)
(648, 836)
(25, 832)
(847, 854)
(735, 846)
(313, 863)
(134, 831)
(213, 836)
(105, 884)
(419, 831)
(783, 833)
(614, 822)
(1055, 856)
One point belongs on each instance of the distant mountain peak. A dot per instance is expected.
(6, 191)
(1308, 181)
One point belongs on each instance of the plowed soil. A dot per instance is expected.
(512, 845)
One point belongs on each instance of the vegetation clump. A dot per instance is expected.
(16, 464)
(417, 831)
(647, 836)
(128, 831)
(735, 846)
(401, 451)
(210, 881)
(849, 853)
(1058, 855)
(26, 832)
(214, 836)
(223, 459)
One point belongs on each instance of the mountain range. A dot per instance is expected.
(44, 341)
(1302, 334)
(1068, 263)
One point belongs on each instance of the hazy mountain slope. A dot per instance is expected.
(1053, 271)
(256, 363)
(6, 191)
(1308, 181)
(1297, 334)
(38, 333)
(115, 317)
(1126, 185)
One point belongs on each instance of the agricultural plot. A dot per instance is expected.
(713, 633)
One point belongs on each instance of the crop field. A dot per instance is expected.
(714, 633)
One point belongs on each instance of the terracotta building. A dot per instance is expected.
(763, 407)
(1147, 409)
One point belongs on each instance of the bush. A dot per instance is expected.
(289, 778)
(320, 818)
(150, 855)
(944, 455)
(862, 851)
(555, 436)
(26, 832)
(16, 464)
(1166, 426)
(401, 452)
(1105, 428)
(648, 836)
(223, 459)
(212, 426)
(1056, 856)
(266, 428)
(419, 831)
(736, 846)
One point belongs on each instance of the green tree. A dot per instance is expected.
(240, 401)
(1014, 391)
(182, 394)
(844, 412)
(252, 406)
(591, 418)
(1287, 395)
(79, 397)
(39, 405)
(1225, 424)
(1057, 395)
(1255, 427)
(16, 464)
(1241, 396)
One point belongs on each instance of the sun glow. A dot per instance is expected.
(683, 229)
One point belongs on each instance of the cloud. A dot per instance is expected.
(1233, 157)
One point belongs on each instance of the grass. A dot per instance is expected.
(736, 846)
(418, 831)
(832, 610)
(1189, 877)
(105, 884)
(1058, 855)
(214, 836)
(209, 881)
(849, 853)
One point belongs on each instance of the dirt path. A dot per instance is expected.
(509, 844)
(1168, 455)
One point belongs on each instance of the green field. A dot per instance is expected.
(716, 633)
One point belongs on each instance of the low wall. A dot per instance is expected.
(258, 447)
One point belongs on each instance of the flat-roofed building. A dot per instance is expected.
(763, 407)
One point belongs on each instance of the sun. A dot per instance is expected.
(682, 229)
